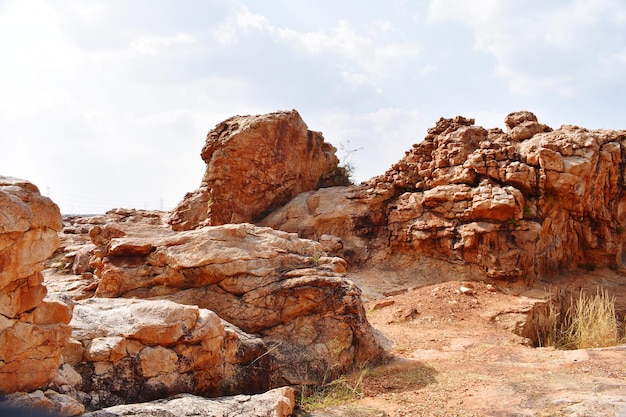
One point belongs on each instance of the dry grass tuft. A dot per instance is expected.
(590, 322)
(340, 391)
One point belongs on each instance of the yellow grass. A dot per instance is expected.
(590, 322)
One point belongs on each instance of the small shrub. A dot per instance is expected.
(345, 163)
(619, 230)
(337, 392)
(590, 322)
(316, 258)
(528, 212)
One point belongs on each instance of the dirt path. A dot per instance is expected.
(455, 355)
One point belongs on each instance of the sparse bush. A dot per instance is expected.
(590, 322)
(528, 211)
(337, 392)
(345, 163)
(548, 335)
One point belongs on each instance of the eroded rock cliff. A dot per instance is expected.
(520, 204)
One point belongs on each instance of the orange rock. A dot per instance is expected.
(518, 205)
(255, 164)
(33, 331)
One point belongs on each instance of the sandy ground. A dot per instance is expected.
(455, 354)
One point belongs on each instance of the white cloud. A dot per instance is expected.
(367, 53)
(362, 58)
(243, 20)
(380, 137)
(112, 100)
(153, 45)
(540, 47)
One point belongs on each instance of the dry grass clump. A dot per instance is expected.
(340, 391)
(590, 322)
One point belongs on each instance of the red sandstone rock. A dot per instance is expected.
(33, 330)
(522, 204)
(256, 164)
(267, 282)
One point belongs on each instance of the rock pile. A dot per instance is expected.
(266, 282)
(201, 301)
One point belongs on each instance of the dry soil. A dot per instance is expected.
(455, 354)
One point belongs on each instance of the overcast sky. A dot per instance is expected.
(107, 103)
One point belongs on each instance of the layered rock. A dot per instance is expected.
(266, 282)
(33, 328)
(526, 203)
(279, 402)
(140, 350)
(256, 164)
(356, 214)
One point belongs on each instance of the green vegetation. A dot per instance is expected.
(512, 221)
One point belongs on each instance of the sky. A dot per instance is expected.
(107, 103)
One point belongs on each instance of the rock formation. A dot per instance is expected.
(201, 301)
(256, 164)
(279, 402)
(526, 203)
(264, 281)
(129, 350)
(33, 328)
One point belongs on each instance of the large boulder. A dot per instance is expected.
(266, 282)
(129, 350)
(256, 164)
(33, 328)
(519, 204)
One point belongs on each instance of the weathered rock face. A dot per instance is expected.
(264, 281)
(356, 214)
(33, 328)
(520, 204)
(256, 164)
(279, 402)
(139, 350)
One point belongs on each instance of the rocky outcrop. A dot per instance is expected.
(128, 350)
(33, 328)
(256, 164)
(279, 402)
(266, 282)
(519, 204)
(356, 214)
